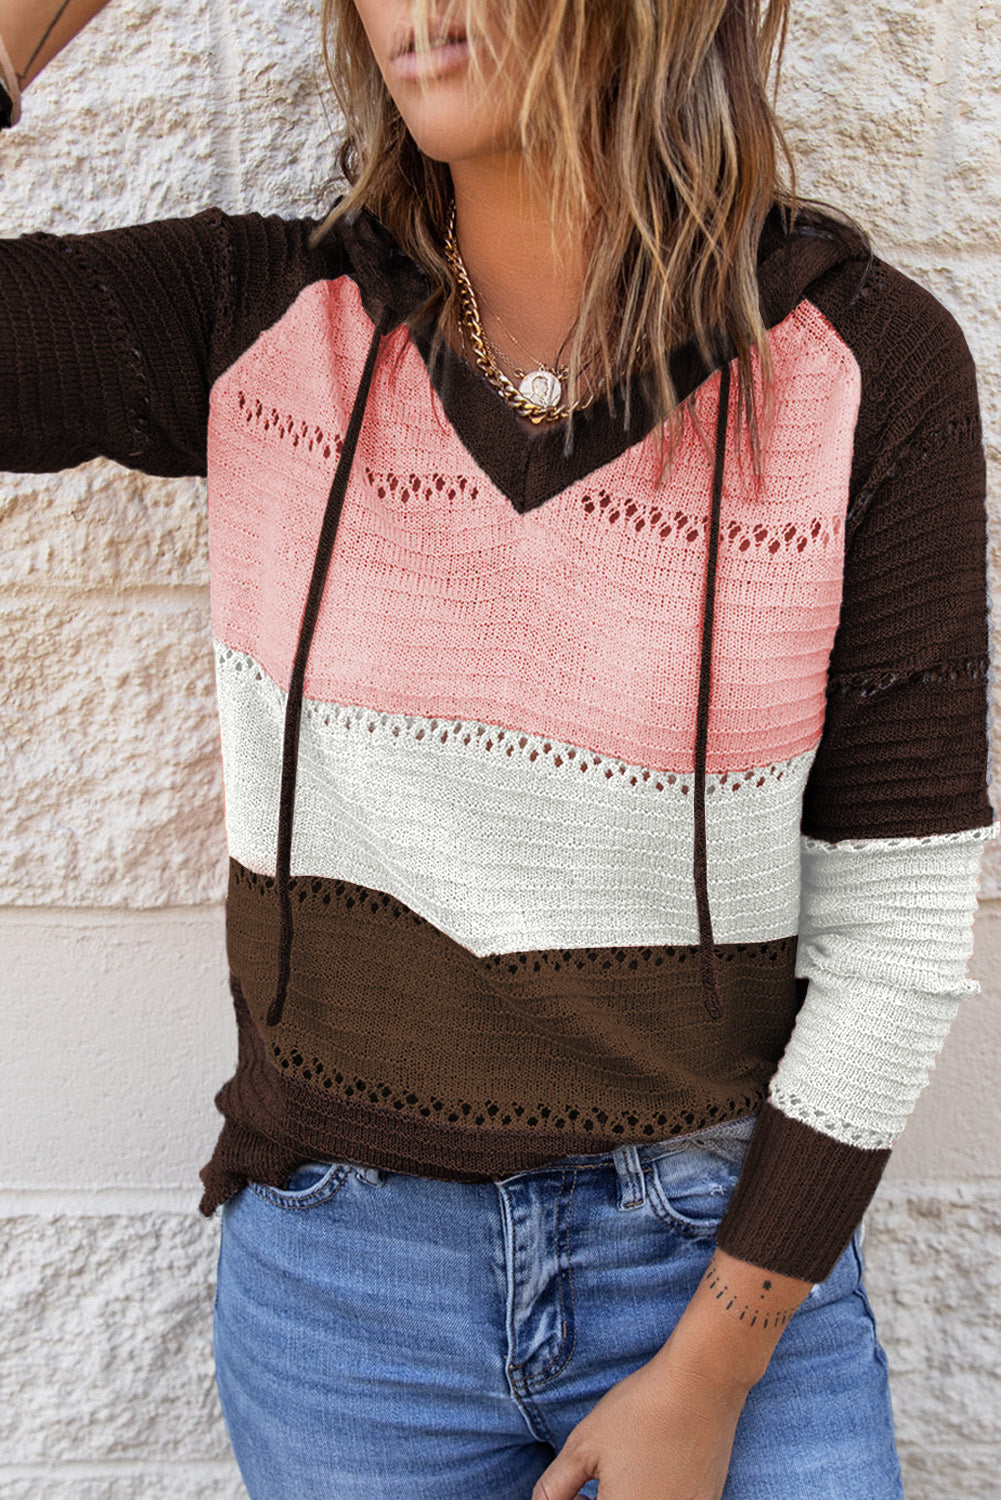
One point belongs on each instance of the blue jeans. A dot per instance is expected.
(383, 1336)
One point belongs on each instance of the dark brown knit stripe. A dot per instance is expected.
(274, 1121)
(904, 749)
(904, 758)
(401, 1048)
(799, 1198)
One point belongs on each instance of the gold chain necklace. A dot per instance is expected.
(541, 389)
(561, 371)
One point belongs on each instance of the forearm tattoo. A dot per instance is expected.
(753, 1313)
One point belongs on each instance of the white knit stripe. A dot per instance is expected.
(886, 932)
(495, 843)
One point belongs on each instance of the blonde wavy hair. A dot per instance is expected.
(647, 124)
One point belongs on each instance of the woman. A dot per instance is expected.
(602, 689)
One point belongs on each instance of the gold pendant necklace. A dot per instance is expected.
(539, 395)
(543, 384)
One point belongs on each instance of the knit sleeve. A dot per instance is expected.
(895, 809)
(106, 341)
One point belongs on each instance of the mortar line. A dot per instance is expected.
(226, 105)
(86, 917)
(161, 596)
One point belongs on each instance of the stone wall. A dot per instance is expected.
(112, 867)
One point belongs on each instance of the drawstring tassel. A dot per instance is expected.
(707, 953)
(293, 705)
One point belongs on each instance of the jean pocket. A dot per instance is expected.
(689, 1188)
(313, 1183)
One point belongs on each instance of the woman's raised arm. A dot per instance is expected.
(31, 33)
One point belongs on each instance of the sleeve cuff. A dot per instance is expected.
(799, 1198)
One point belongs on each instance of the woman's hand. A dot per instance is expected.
(665, 1432)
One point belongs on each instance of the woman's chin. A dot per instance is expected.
(444, 134)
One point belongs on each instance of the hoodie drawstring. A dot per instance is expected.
(707, 953)
(293, 704)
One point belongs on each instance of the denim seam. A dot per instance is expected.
(527, 1395)
(308, 1200)
(859, 1291)
(218, 1264)
(565, 1354)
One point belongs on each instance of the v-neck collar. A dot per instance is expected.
(530, 467)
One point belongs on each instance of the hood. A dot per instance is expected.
(392, 288)
(392, 284)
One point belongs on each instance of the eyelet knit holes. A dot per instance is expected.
(962, 432)
(129, 356)
(856, 846)
(298, 1057)
(287, 427)
(488, 738)
(863, 685)
(457, 735)
(395, 488)
(740, 536)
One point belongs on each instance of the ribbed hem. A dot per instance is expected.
(799, 1198)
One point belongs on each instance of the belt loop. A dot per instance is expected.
(632, 1183)
(371, 1174)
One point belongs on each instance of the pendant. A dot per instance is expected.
(542, 387)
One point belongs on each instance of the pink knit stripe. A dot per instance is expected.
(580, 619)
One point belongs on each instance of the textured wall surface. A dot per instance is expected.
(942, 1344)
(113, 861)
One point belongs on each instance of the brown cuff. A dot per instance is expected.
(799, 1198)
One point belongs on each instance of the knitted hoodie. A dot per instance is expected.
(565, 810)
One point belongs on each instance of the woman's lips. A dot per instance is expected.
(443, 59)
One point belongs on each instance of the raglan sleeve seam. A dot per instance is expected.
(224, 311)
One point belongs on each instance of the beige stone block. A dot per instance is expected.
(893, 112)
(112, 788)
(933, 1272)
(281, 109)
(107, 1347)
(166, 1482)
(102, 526)
(121, 126)
(119, 1032)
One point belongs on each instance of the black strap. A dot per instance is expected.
(707, 953)
(6, 107)
(293, 705)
